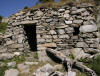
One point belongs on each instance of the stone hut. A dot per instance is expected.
(62, 28)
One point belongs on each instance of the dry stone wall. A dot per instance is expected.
(65, 27)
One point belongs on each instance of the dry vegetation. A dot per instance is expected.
(58, 4)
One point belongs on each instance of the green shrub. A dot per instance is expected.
(94, 64)
(2, 70)
(3, 27)
(71, 56)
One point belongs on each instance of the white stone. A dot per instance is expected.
(67, 11)
(70, 73)
(17, 53)
(68, 22)
(11, 72)
(31, 63)
(11, 64)
(61, 10)
(39, 13)
(88, 28)
(66, 15)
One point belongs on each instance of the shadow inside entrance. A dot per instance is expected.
(30, 31)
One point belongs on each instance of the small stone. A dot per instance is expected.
(39, 13)
(17, 53)
(48, 20)
(67, 11)
(66, 15)
(11, 72)
(61, 31)
(52, 32)
(64, 36)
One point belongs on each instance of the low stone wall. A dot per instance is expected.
(65, 27)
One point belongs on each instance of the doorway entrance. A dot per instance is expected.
(30, 31)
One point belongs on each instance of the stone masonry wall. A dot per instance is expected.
(62, 28)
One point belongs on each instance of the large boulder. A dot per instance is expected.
(11, 72)
(79, 53)
(88, 28)
(45, 70)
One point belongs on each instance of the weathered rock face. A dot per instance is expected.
(66, 27)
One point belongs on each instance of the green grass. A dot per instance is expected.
(2, 70)
(71, 56)
(36, 55)
(94, 64)
(3, 27)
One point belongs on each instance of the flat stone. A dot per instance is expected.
(11, 72)
(88, 28)
(5, 56)
(61, 10)
(81, 44)
(31, 63)
(81, 10)
(68, 22)
(44, 71)
(49, 20)
(69, 30)
(78, 21)
(49, 45)
(64, 36)
(41, 40)
(29, 22)
(9, 42)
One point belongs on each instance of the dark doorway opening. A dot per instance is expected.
(76, 31)
(30, 31)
